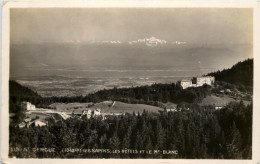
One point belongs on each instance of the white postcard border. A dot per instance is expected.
(123, 4)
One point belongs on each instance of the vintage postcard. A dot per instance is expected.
(132, 82)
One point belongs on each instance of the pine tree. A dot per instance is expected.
(114, 144)
(233, 144)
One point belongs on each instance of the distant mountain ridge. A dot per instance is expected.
(147, 41)
(240, 73)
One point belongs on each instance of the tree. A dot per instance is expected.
(114, 144)
(233, 144)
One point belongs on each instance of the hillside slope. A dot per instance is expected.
(18, 93)
(120, 107)
(16, 89)
(240, 74)
(106, 107)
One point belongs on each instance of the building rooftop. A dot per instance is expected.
(185, 80)
(205, 77)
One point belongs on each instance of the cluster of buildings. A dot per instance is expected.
(88, 113)
(197, 81)
(28, 122)
(31, 109)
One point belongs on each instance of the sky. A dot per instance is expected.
(215, 38)
(81, 25)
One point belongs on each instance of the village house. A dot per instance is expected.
(171, 110)
(170, 107)
(97, 112)
(22, 125)
(38, 122)
(86, 113)
(219, 105)
(28, 123)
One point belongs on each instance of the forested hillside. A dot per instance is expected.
(200, 133)
(240, 74)
(150, 95)
(17, 92)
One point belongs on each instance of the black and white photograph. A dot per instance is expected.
(131, 83)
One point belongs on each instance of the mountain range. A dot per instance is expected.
(144, 53)
(149, 41)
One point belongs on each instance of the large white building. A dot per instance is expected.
(186, 84)
(199, 81)
(209, 80)
(28, 106)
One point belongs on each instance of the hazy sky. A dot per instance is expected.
(209, 26)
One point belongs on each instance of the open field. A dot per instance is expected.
(106, 107)
(39, 115)
(214, 100)
(63, 107)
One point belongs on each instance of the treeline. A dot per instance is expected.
(151, 95)
(199, 133)
(240, 74)
(17, 91)
(17, 94)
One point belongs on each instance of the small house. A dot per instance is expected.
(39, 122)
(22, 125)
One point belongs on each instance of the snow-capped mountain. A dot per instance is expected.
(111, 41)
(151, 42)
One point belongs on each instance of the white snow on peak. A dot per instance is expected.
(151, 42)
(106, 41)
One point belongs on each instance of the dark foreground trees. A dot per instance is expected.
(196, 133)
